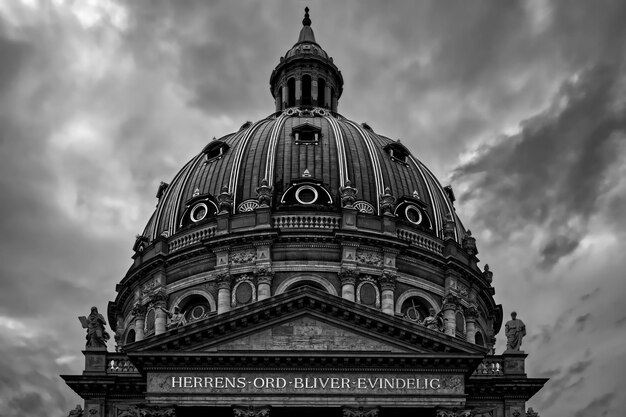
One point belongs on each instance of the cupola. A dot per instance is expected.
(306, 76)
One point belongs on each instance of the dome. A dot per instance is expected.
(305, 197)
(297, 148)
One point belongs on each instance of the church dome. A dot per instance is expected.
(309, 197)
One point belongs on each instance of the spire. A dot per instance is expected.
(306, 33)
(306, 21)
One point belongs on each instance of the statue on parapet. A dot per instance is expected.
(77, 412)
(96, 336)
(515, 330)
(348, 194)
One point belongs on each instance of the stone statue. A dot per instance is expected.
(448, 227)
(387, 202)
(264, 194)
(96, 336)
(77, 412)
(515, 330)
(225, 201)
(488, 274)
(348, 194)
(469, 243)
(432, 322)
(177, 319)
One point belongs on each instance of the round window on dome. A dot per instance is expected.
(413, 214)
(198, 212)
(197, 312)
(306, 195)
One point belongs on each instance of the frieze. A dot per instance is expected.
(243, 257)
(369, 258)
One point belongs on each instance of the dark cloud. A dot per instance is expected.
(581, 322)
(553, 172)
(587, 296)
(600, 406)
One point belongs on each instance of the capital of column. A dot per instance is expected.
(223, 280)
(453, 412)
(450, 302)
(264, 276)
(348, 276)
(387, 281)
(159, 297)
(139, 311)
(471, 314)
(360, 412)
(251, 411)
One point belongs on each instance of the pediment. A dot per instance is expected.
(305, 319)
(308, 333)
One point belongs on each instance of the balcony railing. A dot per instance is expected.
(307, 221)
(490, 366)
(118, 363)
(192, 237)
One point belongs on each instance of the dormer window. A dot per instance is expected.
(306, 134)
(215, 150)
(397, 152)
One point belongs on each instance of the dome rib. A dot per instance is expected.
(271, 151)
(378, 175)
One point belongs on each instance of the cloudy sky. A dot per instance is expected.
(520, 105)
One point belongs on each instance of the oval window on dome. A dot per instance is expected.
(198, 212)
(306, 195)
(368, 294)
(413, 214)
(243, 294)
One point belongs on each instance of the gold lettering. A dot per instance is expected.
(400, 380)
(433, 386)
(297, 383)
(188, 381)
(208, 382)
(219, 382)
(241, 382)
(410, 383)
(177, 380)
(345, 383)
(258, 382)
(334, 383)
(197, 382)
(360, 383)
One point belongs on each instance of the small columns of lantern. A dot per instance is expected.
(388, 286)
(264, 277)
(139, 312)
(264, 194)
(469, 243)
(348, 195)
(450, 305)
(225, 201)
(348, 277)
(471, 315)
(387, 202)
(223, 292)
(488, 274)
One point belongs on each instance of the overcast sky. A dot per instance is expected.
(520, 105)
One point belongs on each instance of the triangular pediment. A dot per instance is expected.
(305, 319)
(308, 333)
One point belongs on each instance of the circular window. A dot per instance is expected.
(244, 293)
(197, 312)
(306, 195)
(199, 212)
(368, 295)
(413, 214)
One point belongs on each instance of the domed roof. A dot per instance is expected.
(292, 146)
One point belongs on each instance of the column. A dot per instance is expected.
(471, 315)
(450, 304)
(298, 92)
(139, 312)
(327, 96)
(160, 312)
(223, 293)
(388, 287)
(264, 283)
(314, 91)
(348, 279)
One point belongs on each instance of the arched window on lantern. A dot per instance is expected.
(291, 92)
(306, 90)
(321, 92)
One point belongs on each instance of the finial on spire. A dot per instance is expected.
(306, 21)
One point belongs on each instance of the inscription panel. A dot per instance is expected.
(307, 383)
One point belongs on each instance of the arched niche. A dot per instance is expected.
(194, 304)
(302, 280)
(130, 336)
(428, 299)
